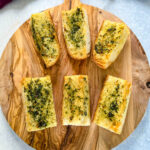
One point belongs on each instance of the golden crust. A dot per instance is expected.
(101, 64)
(47, 62)
(117, 126)
(105, 63)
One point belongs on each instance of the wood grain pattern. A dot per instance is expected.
(20, 60)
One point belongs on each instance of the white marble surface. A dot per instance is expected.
(136, 14)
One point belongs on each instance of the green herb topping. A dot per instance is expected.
(75, 23)
(38, 97)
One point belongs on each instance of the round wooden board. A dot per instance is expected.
(20, 60)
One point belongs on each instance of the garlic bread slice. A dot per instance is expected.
(113, 104)
(109, 43)
(45, 37)
(38, 102)
(76, 101)
(76, 32)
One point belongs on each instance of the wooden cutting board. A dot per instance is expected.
(20, 60)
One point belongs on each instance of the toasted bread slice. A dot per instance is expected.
(109, 43)
(76, 103)
(45, 37)
(76, 32)
(38, 101)
(113, 103)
